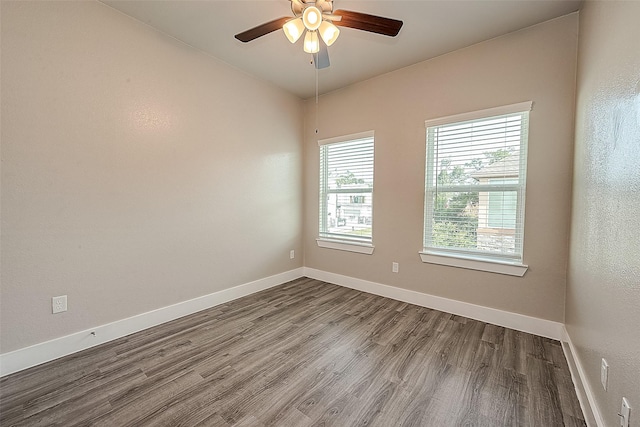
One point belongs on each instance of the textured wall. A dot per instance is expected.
(136, 171)
(603, 287)
(536, 64)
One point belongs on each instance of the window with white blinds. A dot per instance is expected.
(475, 184)
(346, 188)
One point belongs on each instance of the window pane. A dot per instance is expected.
(475, 181)
(350, 165)
(455, 220)
(502, 209)
(346, 190)
(349, 214)
(502, 206)
(466, 153)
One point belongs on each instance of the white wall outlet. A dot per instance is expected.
(604, 374)
(625, 413)
(292, 254)
(394, 267)
(59, 304)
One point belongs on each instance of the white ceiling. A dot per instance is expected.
(431, 28)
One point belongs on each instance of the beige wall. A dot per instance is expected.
(536, 64)
(136, 171)
(603, 287)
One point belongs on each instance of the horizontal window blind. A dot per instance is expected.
(346, 189)
(475, 185)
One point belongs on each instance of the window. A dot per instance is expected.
(346, 193)
(475, 188)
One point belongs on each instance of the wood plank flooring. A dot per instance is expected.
(305, 353)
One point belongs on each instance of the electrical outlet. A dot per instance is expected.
(604, 374)
(59, 304)
(292, 254)
(394, 267)
(625, 413)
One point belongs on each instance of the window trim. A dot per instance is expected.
(342, 245)
(474, 263)
(363, 246)
(476, 260)
(346, 138)
(487, 112)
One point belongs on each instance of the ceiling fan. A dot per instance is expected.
(318, 17)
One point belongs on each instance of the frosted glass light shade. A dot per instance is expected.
(328, 32)
(312, 18)
(293, 29)
(311, 42)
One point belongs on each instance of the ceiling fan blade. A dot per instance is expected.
(321, 59)
(374, 24)
(261, 30)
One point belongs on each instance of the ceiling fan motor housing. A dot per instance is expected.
(298, 6)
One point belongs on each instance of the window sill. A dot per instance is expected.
(361, 248)
(511, 269)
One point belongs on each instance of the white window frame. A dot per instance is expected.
(472, 259)
(358, 245)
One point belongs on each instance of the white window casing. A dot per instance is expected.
(346, 193)
(475, 185)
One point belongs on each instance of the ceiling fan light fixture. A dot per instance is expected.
(293, 29)
(311, 42)
(316, 18)
(328, 32)
(312, 18)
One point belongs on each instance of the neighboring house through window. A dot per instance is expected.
(475, 189)
(346, 193)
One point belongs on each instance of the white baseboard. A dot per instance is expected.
(43, 352)
(583, 389)
(520, 322)
(49, 350)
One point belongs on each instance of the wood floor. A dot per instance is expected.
(304, 353)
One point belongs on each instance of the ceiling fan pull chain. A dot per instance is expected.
(316, 101)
